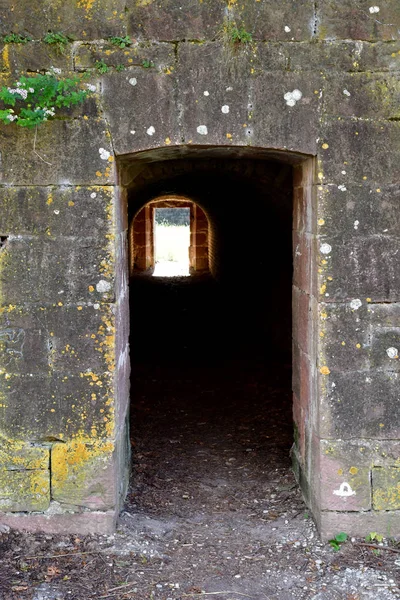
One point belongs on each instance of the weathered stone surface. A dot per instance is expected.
(57, 339)
(346, 19)
(363, 452)
(359, 147)
(360, 267)
(39, 408)
(358, 523)
(19, 456)
(68, 154)
(35, 57)
(60, 210)
(320, 56)
(83, 474)
(58, 271)
(141, 110)
(190, 20)
(362, 95)
(386, 488)
(84, 19)
(358, 210)
(24, 490)
(270, 20)
(378, 57)
(344, 486)
(360, 404)
(82, 523)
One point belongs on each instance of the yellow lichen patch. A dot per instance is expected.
(353, 470)
(49, 198)
(324, 370)
(6, 57)
(87, 5)
(340, 472)
(325, 146)
(167, 141)
(322, 289)
(321, 334)
(358, 346)
(91, 288)
(321, 221)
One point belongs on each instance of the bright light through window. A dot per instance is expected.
(171, 242)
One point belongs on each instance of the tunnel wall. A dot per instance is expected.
(317, 79)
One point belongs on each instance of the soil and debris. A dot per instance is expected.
(213, 509)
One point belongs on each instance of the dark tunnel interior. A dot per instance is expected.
(215, 348)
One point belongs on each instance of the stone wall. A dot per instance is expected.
(317, 85)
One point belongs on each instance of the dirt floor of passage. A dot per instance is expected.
(213, 509)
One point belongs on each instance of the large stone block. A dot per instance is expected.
(24, 491)
(358, 404)
(141, 109)
(57, 406)
(344, 486)
(360, 20)
(360, 267)
(62, 152)
(362, 148)
(386, 488)
(362, 95)
(58, 271)
(288, 20)
(354, 210)
(78, 18)
(172, 21)
(84, 474)
(16, 455)
(58, 210)
(161, 55)
(35, 57)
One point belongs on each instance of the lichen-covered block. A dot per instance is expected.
(386, 488)
(63, 152)
(153, 121)
(158, 56)
(59, 271)
(79, 18)
(360, 20)
(359, 404)
(23, 491)
(18, 456)
(61, 405)
(57, 210)
(344, 486)
(172, 21)
(83, 474)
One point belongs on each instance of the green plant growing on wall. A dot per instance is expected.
(58, 40)
(236, 35)
(101, 67)
(120, 68)
(147, 64)
(121, 42)
(16, 38)
(33, 100)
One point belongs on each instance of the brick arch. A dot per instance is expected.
(141, 234)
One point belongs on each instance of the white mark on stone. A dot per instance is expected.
(56, 212)
(374, 9)
(355, 304)
(202, 130)
(392, 352)
(133, 81)
(103, 286)
(344, 490)
(93, 195)
(346, 93)
(132, 132)
(104, 154)
(225, 109)
(229, 89)
(90, 87)
(151, 130)
(325, 248)
(333, 384)
(96, 306)
(356, 224)
(292, 97)
(368, 380)
(287, 29)
(343, 172)
(342, 188)
(206, 93)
